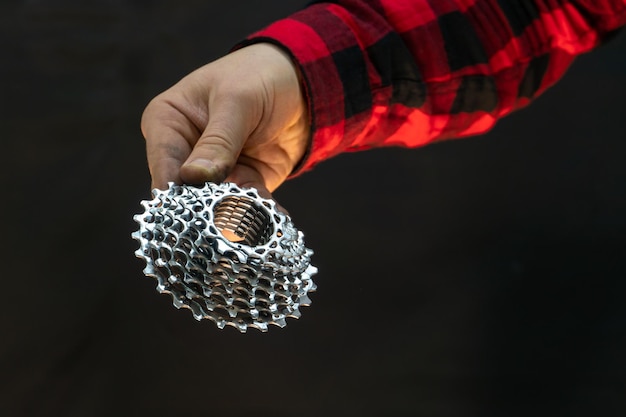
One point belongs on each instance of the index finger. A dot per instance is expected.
(168, 133)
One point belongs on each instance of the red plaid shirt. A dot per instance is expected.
(410, 72)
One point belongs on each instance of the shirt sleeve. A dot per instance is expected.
(411, 72)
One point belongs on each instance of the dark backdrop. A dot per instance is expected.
(480, 277)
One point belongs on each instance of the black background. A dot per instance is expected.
(478, 277)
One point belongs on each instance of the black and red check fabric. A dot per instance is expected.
(410, 72)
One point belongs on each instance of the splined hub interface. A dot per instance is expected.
(226, 254)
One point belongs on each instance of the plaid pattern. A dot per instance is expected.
(410, 72)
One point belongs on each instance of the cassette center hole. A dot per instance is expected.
(240, 220)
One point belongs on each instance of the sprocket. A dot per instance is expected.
(226, 254)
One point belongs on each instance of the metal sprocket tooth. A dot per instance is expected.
(226, 254)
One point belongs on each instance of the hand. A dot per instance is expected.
(241, 118)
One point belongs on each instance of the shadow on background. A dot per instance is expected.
(480, 277)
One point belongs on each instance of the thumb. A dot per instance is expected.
(215, 153)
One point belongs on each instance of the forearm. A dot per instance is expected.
(392, 72)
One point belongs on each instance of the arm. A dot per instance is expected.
(410, 72)
(374, 73)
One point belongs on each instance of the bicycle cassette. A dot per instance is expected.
(226, 254)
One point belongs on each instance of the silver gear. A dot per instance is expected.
(226, 254)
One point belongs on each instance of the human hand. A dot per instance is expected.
(241, 118)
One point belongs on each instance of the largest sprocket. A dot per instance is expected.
(226, 254)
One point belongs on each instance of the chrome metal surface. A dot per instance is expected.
(226, 254)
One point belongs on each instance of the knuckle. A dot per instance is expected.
(217, 140)
(149, 114)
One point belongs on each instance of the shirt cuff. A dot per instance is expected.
(321, 83)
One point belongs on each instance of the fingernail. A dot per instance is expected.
(203, 168)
